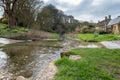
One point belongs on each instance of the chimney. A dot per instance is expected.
(105, 17)
(109, 16)
(98, 21)
(118, 16)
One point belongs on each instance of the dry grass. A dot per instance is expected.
(33, 34)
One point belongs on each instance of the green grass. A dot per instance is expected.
(6, 31)
(2, 26)
(104, 37)
(95, 64)
(55, 36)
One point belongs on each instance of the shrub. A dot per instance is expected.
(87, 29)
(5, 20)
(103, 32)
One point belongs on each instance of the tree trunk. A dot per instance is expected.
(11, 21)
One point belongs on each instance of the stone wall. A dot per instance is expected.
(116, 29)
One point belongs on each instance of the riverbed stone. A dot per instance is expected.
(74, 57)
(21, 78)
(4, 75)
(49, 72)
(64, 54)
(28, 74)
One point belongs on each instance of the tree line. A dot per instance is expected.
(32, 14)
(20, 11)
(53, 20)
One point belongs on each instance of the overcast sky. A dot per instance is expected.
(87, 10)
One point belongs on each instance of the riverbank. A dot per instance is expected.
(49, 72)
(5, 41)
(95, 64)
(98, 37)
(22, 33)
(41, 54)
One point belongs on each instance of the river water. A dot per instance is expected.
(3, 58)
(27, 59)
(30, 58)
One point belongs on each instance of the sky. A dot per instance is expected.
(87, 10)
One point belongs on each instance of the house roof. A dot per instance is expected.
(103, 23)
(114, 21)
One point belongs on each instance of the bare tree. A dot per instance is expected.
(26, 14)
(9, 9)
(12, 7)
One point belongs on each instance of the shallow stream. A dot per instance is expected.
(28, 59)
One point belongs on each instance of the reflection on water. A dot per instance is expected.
(30, 58)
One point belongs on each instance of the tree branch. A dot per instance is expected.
(14, 3)
(1, 5)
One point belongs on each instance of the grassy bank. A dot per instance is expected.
(55, 36)
(95, 64)
(100, 37)
(4, 31)
(25, 33)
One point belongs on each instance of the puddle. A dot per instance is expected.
(88, 46)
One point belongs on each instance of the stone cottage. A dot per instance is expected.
(114, 25)
(102, 25)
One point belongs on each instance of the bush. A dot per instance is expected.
(84, 29)
(87, 29)
(4, 20)
(103, 32)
